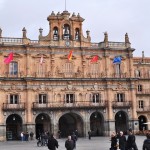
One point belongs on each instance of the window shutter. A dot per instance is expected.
(19, 98)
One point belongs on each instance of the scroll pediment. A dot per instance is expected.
(66, 57)
(39, 55)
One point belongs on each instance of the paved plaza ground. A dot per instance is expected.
(96, 143)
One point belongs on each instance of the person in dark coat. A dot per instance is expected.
(113, 141)
(131, 144)
(90, 134)
(52, 143)
(69, 144)
(122, 141)
(74, 138)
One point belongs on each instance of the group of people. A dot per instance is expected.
(119, 141)
(25, 136)
(70, 143)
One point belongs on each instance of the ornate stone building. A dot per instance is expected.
(42, 90)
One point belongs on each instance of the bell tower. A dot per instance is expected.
(64, 28)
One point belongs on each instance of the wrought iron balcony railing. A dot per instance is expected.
(144, 109)
(13, 107)
(124, 104)
(143, 92)
(75, 105)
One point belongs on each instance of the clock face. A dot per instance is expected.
(67, 43)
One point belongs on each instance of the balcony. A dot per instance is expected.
(125, 104)
(13, 107)
(143, 92)
(63, 106)
(144, 109)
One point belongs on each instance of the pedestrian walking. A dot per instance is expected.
(90, 134)
(113, 140)
(31, 135)
(76, 133)
(52, 143)
(131, 144)
(74, 138)
(69, 144)
(122, 141)
(22, 136)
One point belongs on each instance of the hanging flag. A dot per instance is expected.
(94, 59)
(117, 60)
(70, 55)
(9, 58)
(41, 60)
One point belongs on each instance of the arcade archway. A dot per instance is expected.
(42, 124)
(142, 120)
(121, 122)
(70, 122)
(13, 127)
(97, 124)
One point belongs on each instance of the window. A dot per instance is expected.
(68, 69)
(13, 68)
(41, 69)
(94, 69)
(96, 98)
(42, 98)
(120, 97)
(141, 104)
(139, 88)
(70, 98)
(14, 99)
(138, 73)
(117, 70)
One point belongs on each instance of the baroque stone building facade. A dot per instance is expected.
(41, 90)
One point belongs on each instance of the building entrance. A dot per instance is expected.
(142, 121)
(121, 122)
(42, 124)
(13, 127)
(69, 123)
(97, 124)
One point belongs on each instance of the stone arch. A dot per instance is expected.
(121, 121)
(70, 122)
(13, 127)
(97, 124)
(42, 124)
(142, 120)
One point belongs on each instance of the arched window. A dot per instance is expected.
(13, 68)
(66, 32)
(55, 34)
(77, 34)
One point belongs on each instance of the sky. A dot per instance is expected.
(117, 17)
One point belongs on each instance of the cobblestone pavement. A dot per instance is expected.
(96, 143)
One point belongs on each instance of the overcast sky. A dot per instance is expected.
(114, 16)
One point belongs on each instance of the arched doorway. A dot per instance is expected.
(70, 122)
(13, 127)
(121, 122)
(142, 120)
(42, 124)
(97, 124)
